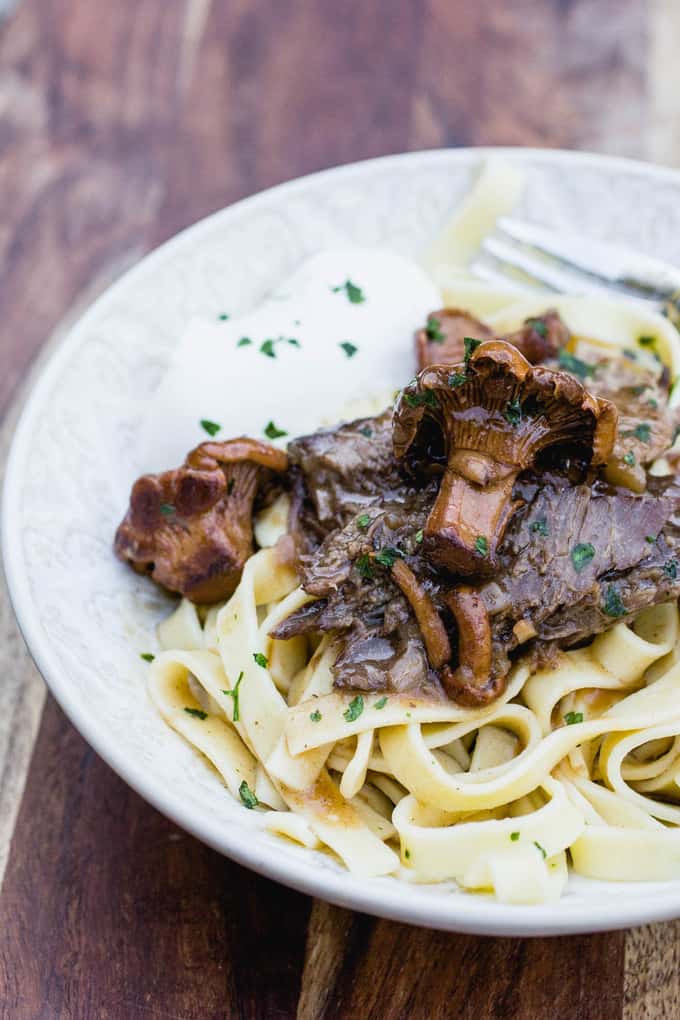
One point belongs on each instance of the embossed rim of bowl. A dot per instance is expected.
(623, 905)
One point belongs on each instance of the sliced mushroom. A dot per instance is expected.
(432, 630)
(191, 529)
(442, 340)
(496, 414)
(471, 683)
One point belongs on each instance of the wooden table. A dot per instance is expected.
(121, 122)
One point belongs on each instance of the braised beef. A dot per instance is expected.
(575, 560)
(578, 554)
(346, 468)
(568, 546)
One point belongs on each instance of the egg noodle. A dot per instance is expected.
(582, 758)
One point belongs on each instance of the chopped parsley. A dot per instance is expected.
(650, 538)
(267, 346)
(381, 702)
(434, 330)
(425, 399)
(539, 847)
(315, 716)
(613, 605)
(407, 854)
(538, 326)
(233, 694)
(419, 536)
(247, 796)
(482, 545)
(223, 317)
(245, 341)
(652, 402)
(355, 295)
(514, 836)
(570, 363)
(629, 458)
(272, 432)
(457, 379)
(671, 569)
(581, 555)
(198, 713)
(646, 341)
(166, 509)
(539, 527)
(471, 346)
(363, 565)
(571, 718)
(261, 659)
(355, 708)
(387, 556)
(363, 521)
(366, 431)
(513, 412)
(211, 427)
(349, 348)
(147, 656)
(642, 432)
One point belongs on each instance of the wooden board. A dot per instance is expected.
(119, 124)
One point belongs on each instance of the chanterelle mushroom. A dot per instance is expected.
(442, 340)
(190, 529)
(496, 413)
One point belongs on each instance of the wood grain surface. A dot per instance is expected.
(119, 124)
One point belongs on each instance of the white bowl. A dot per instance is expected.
(86, 617)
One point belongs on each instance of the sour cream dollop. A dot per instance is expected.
(338, 331)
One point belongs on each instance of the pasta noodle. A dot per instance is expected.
(580, 759)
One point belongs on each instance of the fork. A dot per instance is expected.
(568, 263)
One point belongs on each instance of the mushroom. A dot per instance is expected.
(190, 529)
(541, 337)
(495, 415)
(432, 630)
(472, 683)
(442, 340)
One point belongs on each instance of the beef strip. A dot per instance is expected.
(371, 660)
(564, 550)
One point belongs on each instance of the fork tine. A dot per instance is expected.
(538, 269)
(488, 270)
(629, 271)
